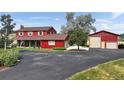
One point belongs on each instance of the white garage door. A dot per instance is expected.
(111, 45)
(95, 42)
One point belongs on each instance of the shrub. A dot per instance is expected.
(9, 57)
(13, 45)
(59, 48)
(120, 46)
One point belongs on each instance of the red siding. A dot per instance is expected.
(107, 36)
(44, 33)
(58, 43)
(35, 33)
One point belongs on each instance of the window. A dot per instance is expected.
(51, 42)
(51, 32)
(30, 33)
(20, 33)
(40, 33)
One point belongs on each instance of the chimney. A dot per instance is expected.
(21, 26)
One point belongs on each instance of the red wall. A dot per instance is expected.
(35, 33)
(58, 43)
(107, 36)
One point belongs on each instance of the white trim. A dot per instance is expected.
(51, 42)
(40, 34)
(30, 34)
(20, 33)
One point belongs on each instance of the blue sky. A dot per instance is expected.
(111, 21)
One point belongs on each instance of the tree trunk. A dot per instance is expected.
(78, 48)
(5, 44)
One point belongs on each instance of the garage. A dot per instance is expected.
(95, 42)
(103, 39)
(111, 45)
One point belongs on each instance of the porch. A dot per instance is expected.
(28, 43)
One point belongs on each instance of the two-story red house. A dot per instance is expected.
(44, 37)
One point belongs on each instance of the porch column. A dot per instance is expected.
(29, 43)
(35, 43)
(21, 41)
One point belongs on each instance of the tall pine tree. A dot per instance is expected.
(7, 26)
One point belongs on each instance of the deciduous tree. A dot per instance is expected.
(78, 37)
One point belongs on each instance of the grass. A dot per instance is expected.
(40, 49)
(112, 70)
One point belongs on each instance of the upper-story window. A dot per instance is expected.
(40, 33)
(49, 32)
(30, 33)
(20, 33)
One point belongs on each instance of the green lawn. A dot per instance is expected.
(113, 70)
(40, 49)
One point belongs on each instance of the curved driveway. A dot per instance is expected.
(57, 66)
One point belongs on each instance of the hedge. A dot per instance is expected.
(59, 48)
(9, 57)
(121, 46)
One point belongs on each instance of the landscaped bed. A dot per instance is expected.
(113, 70)
(8, 58)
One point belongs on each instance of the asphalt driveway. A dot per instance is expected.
(57, 66)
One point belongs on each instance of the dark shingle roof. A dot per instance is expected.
(55, 37)
(105, 32)
(28, 38)
(45, 28)
(47, 37)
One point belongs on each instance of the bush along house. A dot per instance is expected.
(103, 39)
(43, 37)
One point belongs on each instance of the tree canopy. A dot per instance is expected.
(78, 37)
(83, 22)
(122, 36)
(7, 26)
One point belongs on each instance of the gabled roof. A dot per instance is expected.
(55, 37)
(105, 32)
(44, 28)
(47, 37)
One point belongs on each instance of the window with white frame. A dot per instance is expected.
(30, 33)
(51, 42)
(40, 33)
(20, 33)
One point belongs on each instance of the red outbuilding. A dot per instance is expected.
(103, 39)
(44, 37)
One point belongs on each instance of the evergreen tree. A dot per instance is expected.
(7, 26)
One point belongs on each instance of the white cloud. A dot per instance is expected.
(118, 26)
(116, 15)
(40, 17)
(103, 21)
(57, 19)
(103, 24)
